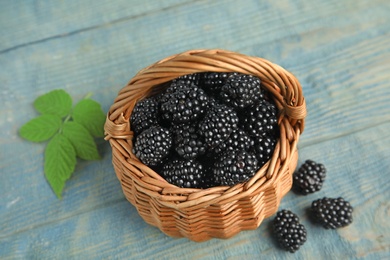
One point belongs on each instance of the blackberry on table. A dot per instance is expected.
(183, 103)
(261, 119)
(218, 123)
(237, 140)
(144, 115)
(264, 147)
(290, 234)
(183, 173)
(153, 145)
(241, 91)
(309, 178)
(332, 213)
(188, 143)
(234, 167)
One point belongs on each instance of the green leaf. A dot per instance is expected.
(90, 114)
(60, 162)
(81, 140)
(56, 102)
(40, 128)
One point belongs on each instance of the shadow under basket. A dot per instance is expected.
(217, 212)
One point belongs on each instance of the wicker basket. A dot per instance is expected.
(218, 212)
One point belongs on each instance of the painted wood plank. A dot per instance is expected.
(47, 73)
(116, 230)
(339, 51)
(31, 22)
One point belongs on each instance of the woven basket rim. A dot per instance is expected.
(281, 84)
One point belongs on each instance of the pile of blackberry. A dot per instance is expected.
(330, 213)
(206, 129)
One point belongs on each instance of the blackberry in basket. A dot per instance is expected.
(238, 139)
(144, 115)
(213, 81)
(184, 173)
(233, 167)
(153, 145)
(187, 141)
(206, 212)
(183, 103)
(217, 125)
(241, 91)
(261, 119)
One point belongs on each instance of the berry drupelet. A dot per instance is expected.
(153, 145)
(332, 213)
(234, 167)
(289, 232)
(241, 91)
(183, 173)
(309, 178)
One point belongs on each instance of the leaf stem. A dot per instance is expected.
(88, 95)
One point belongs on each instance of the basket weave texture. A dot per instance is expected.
(218, 212)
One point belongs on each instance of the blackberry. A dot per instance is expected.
(213, 81)
(183, 103)
(208, 179)
(188, 143)
(183, 173)
(332, 213)
(289, 232)
(233, 167)
(309, 178)
(219, 122)
(153, 145)
(264, 147)
(144, 115)
(195, 78)
(241, 91)
(261, 119)
(238, 140)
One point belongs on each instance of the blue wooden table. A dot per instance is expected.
(339, 50)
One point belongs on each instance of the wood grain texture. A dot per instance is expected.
(339, 50)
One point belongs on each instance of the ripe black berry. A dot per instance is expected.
(261, 119)
(332, 213)
(238, 140)
(187, 142)
(241, 91)
(183, 173)
(289, 232)
(264, 147)
(219, 122)
(183, 103)
(189, 79)
(144, 115)
(153, 145)
(233, 167)
(309, 178)
(213, 81)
